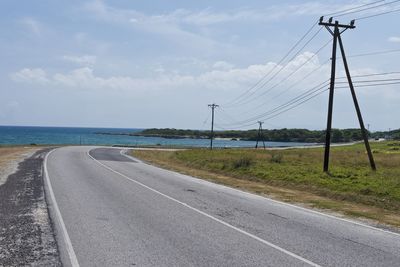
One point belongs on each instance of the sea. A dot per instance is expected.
(33, 135)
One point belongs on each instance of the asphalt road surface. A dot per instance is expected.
(112, 210)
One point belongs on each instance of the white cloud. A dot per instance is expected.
(84, 78)
(37, 75)
(223, 76)
(394, 39)
(86, 60)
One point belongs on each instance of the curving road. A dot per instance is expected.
(112, 210)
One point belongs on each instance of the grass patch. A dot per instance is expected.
(349, 182)
(242, 162)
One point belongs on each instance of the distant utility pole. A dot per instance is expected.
(336, 37)
(212, 106)
(260, 134)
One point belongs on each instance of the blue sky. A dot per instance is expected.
(159, 63)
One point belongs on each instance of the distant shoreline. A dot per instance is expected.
(23, 136)
(274, 135)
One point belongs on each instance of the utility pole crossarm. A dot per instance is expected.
(329, 23)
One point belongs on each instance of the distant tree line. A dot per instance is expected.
(280, 135)
(393, 134)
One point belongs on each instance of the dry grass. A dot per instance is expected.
(295, 176)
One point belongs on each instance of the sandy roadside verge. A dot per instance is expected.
(26, 234)
(10, 157)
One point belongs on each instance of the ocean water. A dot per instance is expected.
(25, 135)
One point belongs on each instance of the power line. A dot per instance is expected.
(350, 9)
(234, 128)
(298, 104)
(288, 88)
(307, 75)
(374, 74)
(306, 100)
(323, 84)
(313, 71)
(374, 81)
(283, 111)
(276, 74)
(379, 14)
(310, 73)
(288, 76)
(286, 55)
(302, 79)
(315, 89)
(376, 53)
(294, 100)
(274, 68)
(338, 78)
(341, 13)
(369, 85)
(287, 105)
(367, 8)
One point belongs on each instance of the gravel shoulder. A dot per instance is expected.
(26, 231)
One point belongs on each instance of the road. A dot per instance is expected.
(112, 210)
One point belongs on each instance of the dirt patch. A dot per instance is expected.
(26, 233)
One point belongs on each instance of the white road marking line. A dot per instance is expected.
(276, 201)
(208, 216)
(71, 253)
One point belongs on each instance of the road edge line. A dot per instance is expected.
(70, 250)
(265, 242)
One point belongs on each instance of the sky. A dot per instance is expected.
(156, 63)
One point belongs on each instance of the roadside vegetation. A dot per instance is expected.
(295, 175)
(277, 135)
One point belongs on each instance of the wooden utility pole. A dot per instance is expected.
(337, 38)
(212, 106)
(359, 116)
(260, 135)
